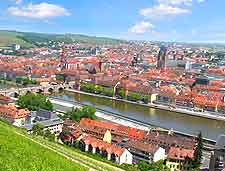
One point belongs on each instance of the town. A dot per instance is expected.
(176, 77)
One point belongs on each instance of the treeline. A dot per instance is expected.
(33, 102)
(98, 89)
(25, 81)
(78, 113)
(20, 80)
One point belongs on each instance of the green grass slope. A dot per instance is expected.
(20, 154)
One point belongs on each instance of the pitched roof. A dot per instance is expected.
(110, 148)
(180, 153)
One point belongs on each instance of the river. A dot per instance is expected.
(165, 119)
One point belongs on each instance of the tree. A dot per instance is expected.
(122, 93)
(198, 153)
(49, 135)
(143, 166)
(108, 92)
(129, 167)
(60, 77)
(145, 99)
(84, 112)
(134, 96)
(155, 166)
(25, 81)
(88, 112)
(34, 102)
(38, 129)
(98, 89)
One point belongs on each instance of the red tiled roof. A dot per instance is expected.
(115, 128)
(180, 153)
(10, 111)
(103, 145)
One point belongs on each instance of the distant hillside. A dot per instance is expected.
(7, 38)
(28, 39)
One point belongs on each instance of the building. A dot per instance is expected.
(218, 155)
(146, 146)
(16, 47)
(143, 151)
(98, 128)
(46, 118)
(13, 115)
(112, 152)
(5, 100)
(178, 159)
(161, 58)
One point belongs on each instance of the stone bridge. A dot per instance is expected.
(14, 92)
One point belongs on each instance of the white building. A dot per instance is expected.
(159, 154)
(107, 150)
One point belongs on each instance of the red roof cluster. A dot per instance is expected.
(103, 146)
(11, 112)
(180, 154)
(114, 128)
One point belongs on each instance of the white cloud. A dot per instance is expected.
(141, 27)
(175, 2)
(38, 11)
(19, 1)
(163, 10)
(200, 1)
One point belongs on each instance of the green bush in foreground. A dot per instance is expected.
(20, 154)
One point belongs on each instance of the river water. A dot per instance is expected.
(165, 119)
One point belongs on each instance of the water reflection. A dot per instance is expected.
(180, 122)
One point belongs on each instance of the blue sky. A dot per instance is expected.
(164, 20)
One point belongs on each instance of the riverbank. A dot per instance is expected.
(114, 117)
(208, 115)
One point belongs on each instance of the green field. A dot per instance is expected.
(18, 153)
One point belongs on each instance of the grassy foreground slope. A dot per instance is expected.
(20, 154)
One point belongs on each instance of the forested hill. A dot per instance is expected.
(30, 39)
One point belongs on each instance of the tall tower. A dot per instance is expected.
(63, 61)
(161, 58)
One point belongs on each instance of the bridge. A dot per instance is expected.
(15, 92)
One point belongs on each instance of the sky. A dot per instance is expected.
(160, 20)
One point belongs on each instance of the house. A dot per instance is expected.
(100, 127)
(112, 152)
(46, 118)
(178, 159)
(143, 151)
(5, 99)
(13, 115)
(217, 160)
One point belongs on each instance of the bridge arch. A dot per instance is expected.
(14, 94)
(50, 90)
(61, 89)
(40, 91)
